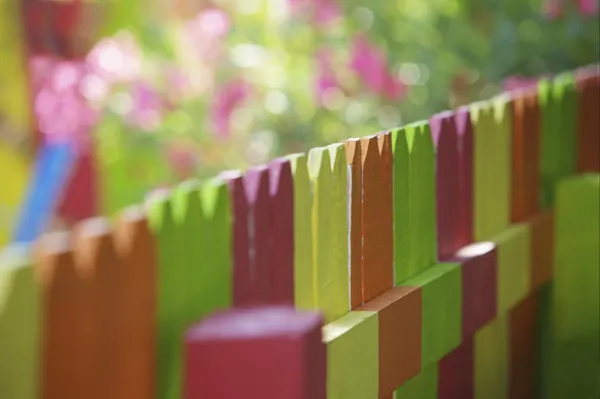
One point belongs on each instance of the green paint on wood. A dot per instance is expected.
(514, 265)
(427, 185)
(402, 248)
(491, 360)
(217, 270)
(441, 290)
(575, 318)
(339, 264)
(19, 325)
(558, 101)
(353, 356)
(422, 386)
(171, 296)
(491, 166)
(304, 289)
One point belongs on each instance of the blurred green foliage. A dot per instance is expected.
(446, 53)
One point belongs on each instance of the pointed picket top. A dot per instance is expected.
(282, 231)
(186, 202)
(429, 248)
(339, 227)
(354, 215)
(215, 244)
(384, 144)
(402, 228)
(257, 187)
(55, 262)
(304, 288)
(240, 242)
(443, 130)
(69, 366)
(322, 229)
(93, 246)
(132, 231)
(137, 256)
(464, 130)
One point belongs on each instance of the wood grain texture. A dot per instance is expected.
(377, 224)
(257, 184)
(354, 173)
(588, 124)
(445, 140)
(222, 353)
(464, 130)
(68, 360)
(20, 330)
(402, 226)
(352, 356)
(304, 282)
(525, 155)
(340, 283)
(399, 312)
(333, 302)
(282, 232)
(441, 294)
(456, 373)
(240, 243)
(479, 263)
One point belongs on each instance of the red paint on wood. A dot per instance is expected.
(522, 352)
(282, 232)
(259, 223)
(464, 130)
(456, 373)
(260, 353)
(525, 155)
(479, 286)
(588, 129)
(242, 277)
(445, 139)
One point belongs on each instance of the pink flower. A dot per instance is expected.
(225, 102)
(588, 7)
(117, 59)
(326, 78)
(324, 12)
(554, 9)
(183, 160)
(148, 106)
(370, 65)
(62, 113)
(395, 89)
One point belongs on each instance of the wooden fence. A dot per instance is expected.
(428, 251)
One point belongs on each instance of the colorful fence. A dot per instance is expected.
(429, 250)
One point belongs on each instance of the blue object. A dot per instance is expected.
(51, 174)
